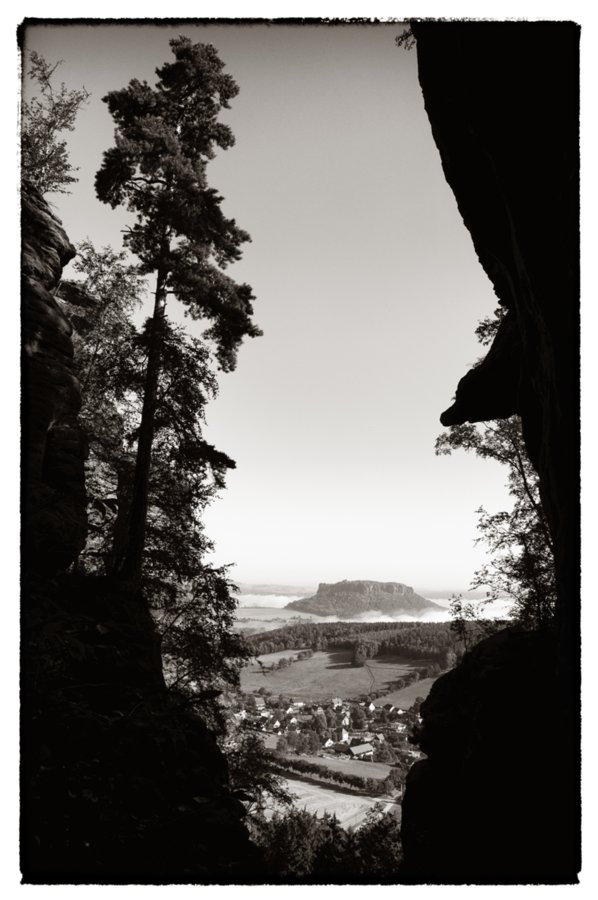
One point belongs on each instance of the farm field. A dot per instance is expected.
(350, 810)
(328, 673)
(269, 658)
(270, 741)
(350, 766)
(407, 696)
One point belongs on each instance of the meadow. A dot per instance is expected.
(360, 767)
(327, 674)
(406, 697)
(349, 809)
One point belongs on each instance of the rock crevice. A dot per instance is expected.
(504, 115)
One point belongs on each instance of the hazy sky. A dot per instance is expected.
(368, 292)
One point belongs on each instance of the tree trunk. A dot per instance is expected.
(131, 567)
(120, 530)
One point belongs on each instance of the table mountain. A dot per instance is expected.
(351, 598)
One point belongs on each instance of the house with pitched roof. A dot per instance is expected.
(362, 751)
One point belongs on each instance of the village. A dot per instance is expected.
(342, 738)
(359, 730)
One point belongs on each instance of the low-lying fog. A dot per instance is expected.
(270, 606)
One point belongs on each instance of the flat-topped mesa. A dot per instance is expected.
(367, 587)
(350, 598)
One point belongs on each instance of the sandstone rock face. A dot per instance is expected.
(486, 806)
(351, 598)
(505, 120)
(120, 783)
(54, 446)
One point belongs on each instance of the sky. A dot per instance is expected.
(368, 291)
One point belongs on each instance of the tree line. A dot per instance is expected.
(299, 847)
(321, 772)
(435, 641)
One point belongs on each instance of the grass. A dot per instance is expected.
(348, 809)
(327, 674)
(350, 766)
(406, 697)
(269, 658)
(270, 741)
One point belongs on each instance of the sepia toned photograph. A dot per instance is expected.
(300, 452)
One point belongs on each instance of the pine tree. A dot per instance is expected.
(192, 603)
(165, 137)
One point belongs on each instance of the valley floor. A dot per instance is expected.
(406, 697)
(328, 673)
(350, 809)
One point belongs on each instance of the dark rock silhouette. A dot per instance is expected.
(503, 100)
(484, 808)
(352, 598)
(119, 783)
(54, 447)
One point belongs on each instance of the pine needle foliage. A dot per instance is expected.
(165, 136)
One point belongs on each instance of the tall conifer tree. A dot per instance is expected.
(164, 139)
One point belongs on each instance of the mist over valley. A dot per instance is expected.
(264, 612)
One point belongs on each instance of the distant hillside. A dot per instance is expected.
(352, 598)
(278, 590)
(446, 593)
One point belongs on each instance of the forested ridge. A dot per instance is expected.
(417, 640)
